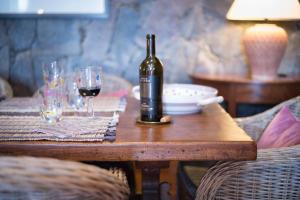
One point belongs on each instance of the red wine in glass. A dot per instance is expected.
(89, 85)
(89, 92)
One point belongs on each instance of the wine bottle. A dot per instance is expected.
(151, 84)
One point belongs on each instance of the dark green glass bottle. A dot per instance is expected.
(151, 84)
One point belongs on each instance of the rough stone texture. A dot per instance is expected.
(291, 62)
(96, 38)
(192, 36)
(21, 74)
(3, 35)
(4, 62)
(122, 40)
(21, 33)
(59, 37)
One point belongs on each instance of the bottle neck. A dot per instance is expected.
(150, 45)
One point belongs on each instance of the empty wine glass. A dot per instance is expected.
(89, 85)
(74, 99)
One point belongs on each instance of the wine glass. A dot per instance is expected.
(89, 85)
(74, 99)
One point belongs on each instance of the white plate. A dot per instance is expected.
(180, 99)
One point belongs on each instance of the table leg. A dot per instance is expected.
(232, 108)
(150, 178)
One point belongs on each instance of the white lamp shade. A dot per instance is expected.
(273, 10)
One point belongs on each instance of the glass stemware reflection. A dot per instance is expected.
(89, 85)
(74, 99)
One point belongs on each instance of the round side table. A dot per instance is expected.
(237, 89)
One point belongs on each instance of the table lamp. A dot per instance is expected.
(264, 43)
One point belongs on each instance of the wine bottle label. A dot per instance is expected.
(151, 98)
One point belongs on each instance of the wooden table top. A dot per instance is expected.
(210, 135)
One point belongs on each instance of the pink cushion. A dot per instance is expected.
(283, 131)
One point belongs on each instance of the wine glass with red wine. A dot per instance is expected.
(89, 85)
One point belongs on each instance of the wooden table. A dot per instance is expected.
(238, 89)
(211, 135)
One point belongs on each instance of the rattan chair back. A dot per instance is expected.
(45, 178)
(274, 175)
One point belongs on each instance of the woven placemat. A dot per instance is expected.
(32, 105)
(71, 128)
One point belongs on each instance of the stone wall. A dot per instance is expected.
(192, 36)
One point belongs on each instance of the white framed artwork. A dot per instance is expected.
(36, 8)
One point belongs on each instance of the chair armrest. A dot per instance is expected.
(255, 125)
(274, 175)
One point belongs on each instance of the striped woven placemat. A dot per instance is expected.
(71, 128)
(32, 105)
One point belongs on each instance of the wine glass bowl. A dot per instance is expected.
(74, 99)
(89, 85)
(89, 92)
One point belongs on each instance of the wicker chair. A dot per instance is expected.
(274, 175)
(5, 89)
(45, 178)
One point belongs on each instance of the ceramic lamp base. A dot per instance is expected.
(265, 45)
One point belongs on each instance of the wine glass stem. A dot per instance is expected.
(90, 106)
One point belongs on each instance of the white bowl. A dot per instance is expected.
(179, 99)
